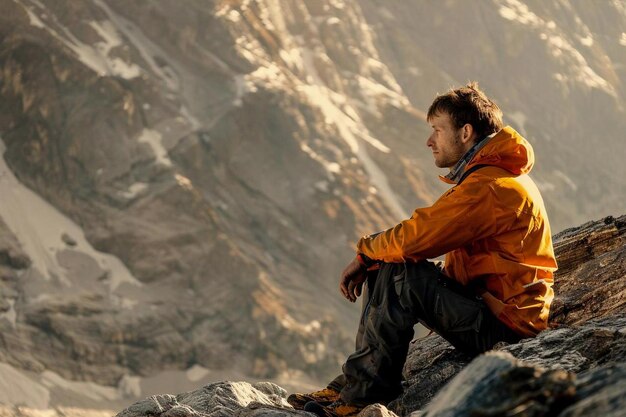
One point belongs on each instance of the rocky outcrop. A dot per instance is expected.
(576, 352)
(223, 399)
(590, 338)
(576, 368)
(590, 279)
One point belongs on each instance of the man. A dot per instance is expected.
(497, 281)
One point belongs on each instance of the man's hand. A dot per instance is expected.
(352, 279)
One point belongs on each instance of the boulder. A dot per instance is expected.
(497, 384)
(222, 399)
(543, 383)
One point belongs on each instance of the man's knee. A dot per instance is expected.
(411, 287)
(417, 278)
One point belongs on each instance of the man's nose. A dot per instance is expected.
(429, 141)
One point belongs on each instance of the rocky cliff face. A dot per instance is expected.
(181, 185)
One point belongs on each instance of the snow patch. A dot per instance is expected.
(86, 54)
(589, 77)
(334, 107)
(350, 132)
(292, 58)
(337, 112)
(233, 16)
(290, 323)
(331, 167)
(266, 16)
(559, 46)
(338, 4)
(334, 167)
(507, 13)
(518, 11)
(269, 75)
(39, 228)
(154, 140)
(372, 90)
(111, 39)
(17, 388)
(148, 50)
(184, 182)
(134, 190)
(250, 49)
(223, 10)
(34, 20)
(97, 59)
(587, 41)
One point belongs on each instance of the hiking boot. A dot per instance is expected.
(336, 409)
(323, 397)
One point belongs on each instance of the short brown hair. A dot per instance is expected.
(469, 105)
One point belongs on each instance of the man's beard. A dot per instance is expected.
(455, 154)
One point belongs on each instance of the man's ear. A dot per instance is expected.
(468, 134)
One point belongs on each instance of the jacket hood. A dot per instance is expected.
(507, 150)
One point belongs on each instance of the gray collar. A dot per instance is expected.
(457, 170)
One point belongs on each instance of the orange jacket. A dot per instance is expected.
(494, 231)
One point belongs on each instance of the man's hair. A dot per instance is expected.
(469, 105)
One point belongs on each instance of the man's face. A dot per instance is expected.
(445, 141)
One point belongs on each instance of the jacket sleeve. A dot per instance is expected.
(463, 214)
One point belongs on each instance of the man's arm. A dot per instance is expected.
(462, 215)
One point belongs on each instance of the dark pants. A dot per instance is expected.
(397, 297)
